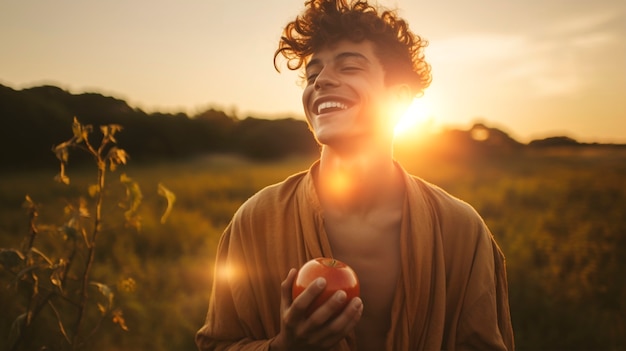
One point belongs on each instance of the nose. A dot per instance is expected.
(326, 79)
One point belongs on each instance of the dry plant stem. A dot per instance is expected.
(33, 214)
(29, 246)
(33, 308)
(75, 336)
(32, 313)
(59, 321)
(96, 327)
(36, 306)
(91, 246)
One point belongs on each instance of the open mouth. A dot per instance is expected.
(330, 106)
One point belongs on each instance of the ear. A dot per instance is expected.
(403, 94)
(401, 98)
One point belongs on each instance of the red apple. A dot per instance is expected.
(338, 275)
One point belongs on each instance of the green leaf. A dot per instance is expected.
(170, 197)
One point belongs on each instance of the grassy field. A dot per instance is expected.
(559, 216)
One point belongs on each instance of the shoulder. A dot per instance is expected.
(444, 204)
(454, 219)
(262, 216)
(272, 199)
(464, 235)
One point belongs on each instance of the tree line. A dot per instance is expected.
(34, 119)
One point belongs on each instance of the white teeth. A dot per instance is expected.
(331, 104)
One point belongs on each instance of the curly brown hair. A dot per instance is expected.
(325, 22)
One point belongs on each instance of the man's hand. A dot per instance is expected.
(320, 330)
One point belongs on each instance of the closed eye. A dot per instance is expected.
(311, 78)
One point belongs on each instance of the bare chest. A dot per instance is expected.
(371, 246)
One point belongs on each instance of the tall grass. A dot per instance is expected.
(559, 218)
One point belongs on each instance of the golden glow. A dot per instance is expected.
(416, 118)
(226, 272)
(339, 183)
(480, 134)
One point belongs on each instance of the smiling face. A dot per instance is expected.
(346, 99)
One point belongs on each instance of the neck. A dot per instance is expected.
(351, 182)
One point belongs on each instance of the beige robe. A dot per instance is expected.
(452, 293)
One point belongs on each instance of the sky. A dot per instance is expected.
(533, 68)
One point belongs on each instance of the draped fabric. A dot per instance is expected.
(452, 293)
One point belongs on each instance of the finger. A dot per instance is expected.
(332, 307)
(310, 293)
(351, 314)
(286, 286)
(316, 326)
(300, 305)
(339, 327)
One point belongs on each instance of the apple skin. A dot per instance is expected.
(338, 275)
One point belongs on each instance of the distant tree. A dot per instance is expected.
(273, 139)
(554, 141)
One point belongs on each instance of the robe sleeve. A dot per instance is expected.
(224, 328)
(485, 322)
(255, 253)
(468, 270)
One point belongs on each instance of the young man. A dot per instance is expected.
(432, 276)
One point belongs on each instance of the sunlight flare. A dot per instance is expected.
(226, 271)
(339, 183)
(415, 117)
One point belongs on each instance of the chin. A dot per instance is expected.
(337, 140)
(327, 140)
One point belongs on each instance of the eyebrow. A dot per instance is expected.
(340, 56)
